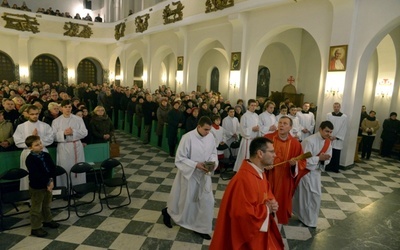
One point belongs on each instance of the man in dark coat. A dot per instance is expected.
(390, 133)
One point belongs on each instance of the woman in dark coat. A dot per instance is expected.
(139, 114)
(162, 117)
(191, 121)
(175, 121)
(52, 112)
(101, 127)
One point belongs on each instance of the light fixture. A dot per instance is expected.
(384, 88)
(332, 91)
(234, 79)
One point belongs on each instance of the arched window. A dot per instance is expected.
(263, 82)
(7, 67)
(214, 82)
(45, 69)
(138, 74)
(118, 72)
(87, 71)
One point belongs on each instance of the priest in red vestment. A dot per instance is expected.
(284, 177)
(246, 215)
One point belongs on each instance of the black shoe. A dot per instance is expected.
(51, 224)
(336, 171)
(166, 218)
(39, 232)
(204, 236)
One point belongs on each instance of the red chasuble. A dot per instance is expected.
(243, 212)
(281, 178)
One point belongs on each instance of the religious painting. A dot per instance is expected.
(337, 58)
(235, 61)
(180, 63)
(263, 81)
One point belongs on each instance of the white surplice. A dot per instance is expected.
(191, 201)
(266, 120)
(296, 128)
(307, 198)
(219, 137)
(21, 133)
(306, 121)
(247, 122)
(339, 129)
(231, 127)
(69, 148)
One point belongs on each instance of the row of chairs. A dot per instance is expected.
(71, 194)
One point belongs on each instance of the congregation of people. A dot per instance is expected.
(50, 11)
(271, 156)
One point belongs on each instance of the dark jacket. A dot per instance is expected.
(48, 117)
(99, 126)
(39, 176)
(149, 112)
(162, 117)
(191, 123)
(391, 129)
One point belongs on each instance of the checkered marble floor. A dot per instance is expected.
(151, 172)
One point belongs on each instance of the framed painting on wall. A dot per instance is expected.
(337, 58)
(180, 63)
(235, 61)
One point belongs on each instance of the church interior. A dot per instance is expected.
(243, 49)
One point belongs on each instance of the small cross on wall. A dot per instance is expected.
(291, 80)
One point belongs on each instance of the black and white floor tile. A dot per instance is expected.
(151, 172)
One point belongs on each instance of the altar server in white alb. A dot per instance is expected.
(307, 198)
(339, 121)
(218, 133)
(296, 128)
(69, 130)
(31, 127)
(249, 130)
(191, 201)
(267, 119)
(231, 130)
(307, 121)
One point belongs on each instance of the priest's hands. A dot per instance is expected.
(35, 132)
(292, 162)
(272, 205)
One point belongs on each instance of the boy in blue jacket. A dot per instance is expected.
(41, 183)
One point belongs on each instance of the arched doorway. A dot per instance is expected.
(90, 71)
(7, 67)
(46, 68)
(214, 81)
(263, 79)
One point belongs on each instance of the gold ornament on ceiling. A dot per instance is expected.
(21, 22)
(142, 23)
(215, 5)
(173, 15)
(77, 30)
(119, 31)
